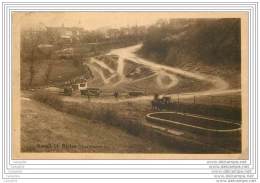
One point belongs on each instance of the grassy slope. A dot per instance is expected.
(44, 125)
(62, 70)
(129, 117)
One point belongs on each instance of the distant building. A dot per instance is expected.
(45, 48)
(66, 35)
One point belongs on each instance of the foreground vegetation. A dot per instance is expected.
(44, 129)
(127, 118)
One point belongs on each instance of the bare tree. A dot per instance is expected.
(30, 39)
(48, 71)
(37, 44)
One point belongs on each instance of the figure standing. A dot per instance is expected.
(116, 94)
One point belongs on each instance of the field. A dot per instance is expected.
(46, 130)
(130, 118)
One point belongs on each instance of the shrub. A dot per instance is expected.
(79, 110)
(49, 98)
(107, 115)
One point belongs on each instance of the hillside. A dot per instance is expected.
(202, 45)
(47, 60)
(45, 129)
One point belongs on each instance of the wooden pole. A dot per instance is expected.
(178, 103)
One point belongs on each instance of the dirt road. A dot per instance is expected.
(129, 53)
(219, 86)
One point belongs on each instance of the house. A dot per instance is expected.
(66, 35)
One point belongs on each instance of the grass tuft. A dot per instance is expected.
(50, 99)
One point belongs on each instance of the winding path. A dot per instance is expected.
(128, 53)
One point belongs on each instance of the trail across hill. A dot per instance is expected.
(219, 86)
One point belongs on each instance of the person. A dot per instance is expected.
(88, 94)
(156, 96)
(116, 94)
(68, 90)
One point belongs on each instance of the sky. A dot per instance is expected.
(92, 20)
(97, 20)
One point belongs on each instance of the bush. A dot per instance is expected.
(49, 98)
(73, 108)
(107, 115)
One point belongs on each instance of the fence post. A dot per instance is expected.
(178, 103)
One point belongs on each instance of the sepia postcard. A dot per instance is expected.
(130, 85)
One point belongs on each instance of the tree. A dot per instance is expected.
(36, 44)
(30, 39)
